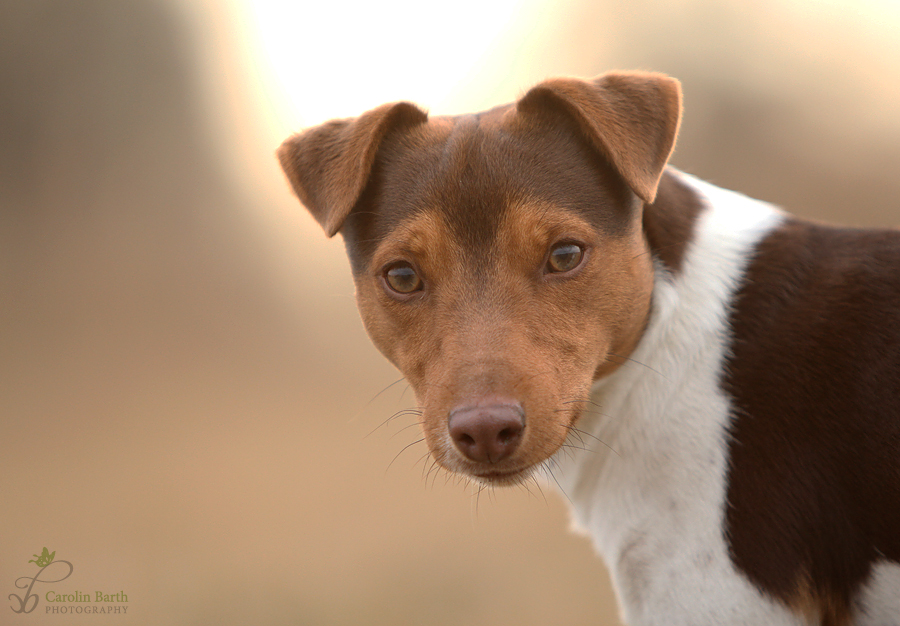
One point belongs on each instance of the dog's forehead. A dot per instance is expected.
(474, 168)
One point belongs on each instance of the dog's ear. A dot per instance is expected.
(329, 165)
(631, 118)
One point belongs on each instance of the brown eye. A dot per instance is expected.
(565, 257)
(402, 278)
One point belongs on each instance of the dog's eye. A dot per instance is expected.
(565, 257)
(402, 278)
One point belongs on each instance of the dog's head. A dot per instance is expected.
(499, 258)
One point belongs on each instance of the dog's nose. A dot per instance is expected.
(487, 434)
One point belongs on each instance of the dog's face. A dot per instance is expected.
(499, 258)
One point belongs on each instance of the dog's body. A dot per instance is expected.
(712, 383)
(725, 498)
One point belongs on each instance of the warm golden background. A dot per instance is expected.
(186, 391)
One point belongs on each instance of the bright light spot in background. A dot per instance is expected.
(320, 60)
(313, 60)
(338, 59)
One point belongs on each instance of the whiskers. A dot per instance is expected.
(575, 438)
(409, 411)
(546, 468)
(575, 441)
(528, 482)
(374, 398)
(414, 412)
(402, 450)
(623, 359)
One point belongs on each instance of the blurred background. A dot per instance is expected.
(190, 411)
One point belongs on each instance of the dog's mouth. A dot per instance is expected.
(503, 477)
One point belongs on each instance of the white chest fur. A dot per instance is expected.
(653, 501)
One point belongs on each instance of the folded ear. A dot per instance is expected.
(329, 165)
(631, 118)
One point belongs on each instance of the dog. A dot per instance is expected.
(713, 383)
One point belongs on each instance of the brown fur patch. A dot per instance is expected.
(817, 607)
(669, 222)
(814, 482)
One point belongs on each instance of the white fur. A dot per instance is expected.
(653, 502)
(879, 602)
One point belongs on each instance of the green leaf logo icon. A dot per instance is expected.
(44, 559)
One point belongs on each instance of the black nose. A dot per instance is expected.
(487, 434)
